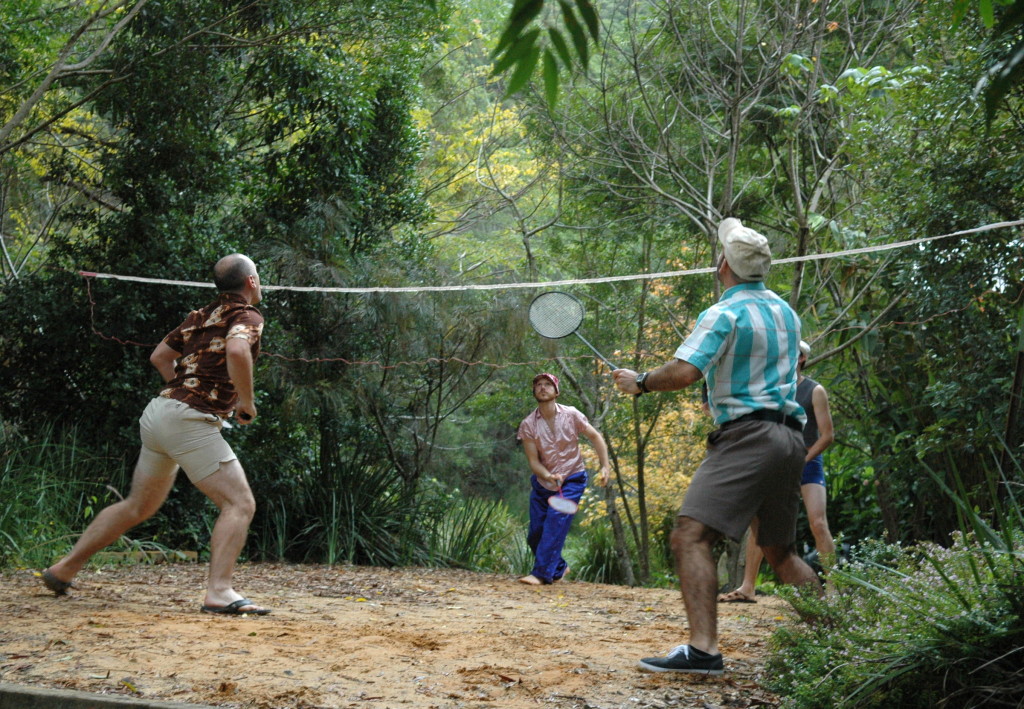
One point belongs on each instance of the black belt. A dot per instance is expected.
(769, 415)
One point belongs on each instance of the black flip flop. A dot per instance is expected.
(235, 608)
(59, 588)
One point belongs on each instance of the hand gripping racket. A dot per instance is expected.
(555, 315)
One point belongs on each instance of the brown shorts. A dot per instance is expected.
(751, 468)
(174, 434)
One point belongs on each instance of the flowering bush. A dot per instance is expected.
(915, 626)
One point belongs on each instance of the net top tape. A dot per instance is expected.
(567, 282)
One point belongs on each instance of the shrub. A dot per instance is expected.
(476, 534)
(359, 510)
(592, 555)
(45, 493)
(916, 626)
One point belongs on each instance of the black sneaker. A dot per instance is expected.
(685, 659)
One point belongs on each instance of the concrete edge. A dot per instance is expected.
(19, 696)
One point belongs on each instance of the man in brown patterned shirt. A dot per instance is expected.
(207, 364)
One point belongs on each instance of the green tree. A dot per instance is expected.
(281, 129)
(933, 381)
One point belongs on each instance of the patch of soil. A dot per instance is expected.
(347, 636)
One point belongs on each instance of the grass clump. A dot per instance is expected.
(46, 494)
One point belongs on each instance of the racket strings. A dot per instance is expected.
(556, 315)
(563, 504)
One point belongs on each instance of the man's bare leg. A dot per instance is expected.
(229, 490)
(692, 543)
(790, 568)
(147, 494)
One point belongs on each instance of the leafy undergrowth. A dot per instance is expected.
(918, 626)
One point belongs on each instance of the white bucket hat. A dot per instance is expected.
(746, 251)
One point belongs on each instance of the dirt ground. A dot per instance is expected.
(369, 637)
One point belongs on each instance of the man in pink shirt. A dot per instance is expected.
(550, 437)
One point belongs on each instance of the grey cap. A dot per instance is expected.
(746, 251)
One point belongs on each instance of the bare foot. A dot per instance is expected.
(564, 574)
(531, 580)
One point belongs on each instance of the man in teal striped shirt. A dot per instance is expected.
(747, 346)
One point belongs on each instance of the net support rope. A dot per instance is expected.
(568, 282)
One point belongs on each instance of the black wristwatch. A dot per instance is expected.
(641, 382)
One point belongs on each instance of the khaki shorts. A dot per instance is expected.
(175, 434)
(751, 468)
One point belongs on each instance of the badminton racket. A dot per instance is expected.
(556, 314)
(561, 503)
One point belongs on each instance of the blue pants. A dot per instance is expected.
(548, 529)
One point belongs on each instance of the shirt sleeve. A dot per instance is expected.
(708, 341)
(525, 430)
(580, 421)
(247, 325)
(175, 339)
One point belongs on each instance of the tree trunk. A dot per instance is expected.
(619, 534)
(732, 563)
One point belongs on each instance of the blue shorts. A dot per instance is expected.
(814, 471)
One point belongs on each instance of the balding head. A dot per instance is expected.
(231, 272)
